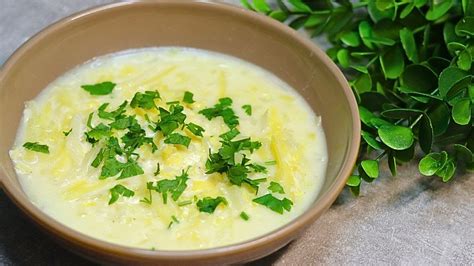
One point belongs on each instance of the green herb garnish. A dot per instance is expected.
(209, 205)
(244, 216)
(409, 64)
(35, 146)
(157, 172)
(119, 190)
(276, 188)
(176, 138)
(223, 110)
(274, 204)
(113, 114)
(195, 129)
(170, 120)
(184, 203)
(66, 133)
(247, 108)
(97, 133)
(145, 100)
(188, 97)
(173, 220)
(174, 186)
(102, 88)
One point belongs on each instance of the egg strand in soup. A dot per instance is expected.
(170, 149)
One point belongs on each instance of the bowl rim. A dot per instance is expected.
(63, 232)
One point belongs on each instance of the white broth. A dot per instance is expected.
(75, 179)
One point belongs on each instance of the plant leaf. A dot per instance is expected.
(377, 14)
(419, 78)
(353, 181)
(451, 77)
(432, 162)
(396, 137)
(463, 153)
(440, 117)
(392, 63)
(447, 172)
(439, 9)
(465, 27)
(425, 134)
(371, 168)
(409, 45)
(350, 39)
(462, 112)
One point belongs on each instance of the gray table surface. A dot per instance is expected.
(408, 219)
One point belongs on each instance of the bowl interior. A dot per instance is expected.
(213, 27)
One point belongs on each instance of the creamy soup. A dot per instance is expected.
(170, 149)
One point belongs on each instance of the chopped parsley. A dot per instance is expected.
(172, 102)
(195, 129)
(113, 114)
(136, 137)
(119, 190)
(97, 133)
(248, 109)
(129, 169)
(188, 97)
(174, 186)
(157, 172)
(35, 146)
(173, 220)
(176, 138)
(209, 205)
(224, 160)
(276, 188)
(270, 163)
(145, 100)
(66, 133)
(184, 203)
(244, 216)
(274, 204)
(102, 88)
(170, 120)
(223, 110)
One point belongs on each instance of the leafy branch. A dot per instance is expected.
(409, 63)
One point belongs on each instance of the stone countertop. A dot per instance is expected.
(408, 219)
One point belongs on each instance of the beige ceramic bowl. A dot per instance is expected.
(215, 27)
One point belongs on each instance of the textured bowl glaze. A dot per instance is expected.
(216, 27)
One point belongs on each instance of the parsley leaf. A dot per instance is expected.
(209, 205)
(276, 188)
(223, 110)
(244, 216)
(102, 88)
(35, 146)
(274, 204)
(136, 137)
(195, 129)
(111, 167)
(257, 168)
(170, 120)
(176, 138)
(119, 190)
(113, 114)
(131, 168)
(229, 135)
(248, 109)
(174, 186)
(188, 97)
(157, 172)
(145, 100)
(97, 133)
(66, 133)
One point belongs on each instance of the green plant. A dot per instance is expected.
(409, 63)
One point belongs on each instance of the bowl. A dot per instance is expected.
(216, 27)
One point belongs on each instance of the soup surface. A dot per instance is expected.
(171, 149)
